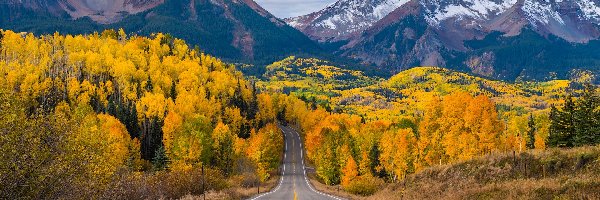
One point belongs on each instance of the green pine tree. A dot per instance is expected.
(173, 91)
(587, 121)
(555, 135)
(562, 126)
(531, 129)
(160, 160)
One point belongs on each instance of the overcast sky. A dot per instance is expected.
(293, 8)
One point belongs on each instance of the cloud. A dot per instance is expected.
(293, 8)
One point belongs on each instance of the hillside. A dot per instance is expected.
(110, 116)
(311, 79)
(372, 97)
(236, 31)
(569, 174)
(550, 174)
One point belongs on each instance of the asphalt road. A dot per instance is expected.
(294, 183)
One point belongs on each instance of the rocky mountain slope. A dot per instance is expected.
(235, 30)
(340, 20)
(105, 11)
(476, 35)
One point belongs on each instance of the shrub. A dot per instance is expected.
(167, 185)
(365, 185)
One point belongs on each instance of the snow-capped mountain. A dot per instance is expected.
(443, 33)
(345, 17)
(571, 20)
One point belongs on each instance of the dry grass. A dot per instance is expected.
(246, 192)
(164, 185)
(236, 191)
(552, 174)
(333, 190)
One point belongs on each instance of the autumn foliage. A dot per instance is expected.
(110, 115)
(96, 108)
(348, 151)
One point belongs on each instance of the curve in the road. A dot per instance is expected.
(293, 185)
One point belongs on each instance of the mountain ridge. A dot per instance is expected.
(343, 18)
(438, 33)
(486, 14)
(239, 31)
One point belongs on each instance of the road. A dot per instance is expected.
(294, 183)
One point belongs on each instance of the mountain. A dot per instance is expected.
(340, 20)
(108, 11)
(506, 39)
(235, 30)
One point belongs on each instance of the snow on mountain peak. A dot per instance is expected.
(365, 12)
(386, 7)
(345, 17)
(540, 12)
(477, 9)
(590, 10)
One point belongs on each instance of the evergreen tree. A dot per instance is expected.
(112, 109)
(160, 160)
(281, 116)
(211, 67)
(554, 135)
(577, 124)
(149, 86)
(531, 129)
(173, 91)
(374, 154)
(313, 103)
(132, 121)
(238, 99)
(562, 127)
(151, 137)
(253, 107)
(586, 117)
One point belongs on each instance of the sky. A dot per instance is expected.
(293, 8)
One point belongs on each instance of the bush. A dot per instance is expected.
(364, 185)
(246, 180)
(164, 185)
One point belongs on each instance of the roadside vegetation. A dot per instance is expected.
(549, 174)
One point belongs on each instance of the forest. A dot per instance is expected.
(365, 132)
(97, 113)
(111, 115)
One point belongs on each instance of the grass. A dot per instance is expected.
(335, 190)
(550, 174)
(236, 190)
(240, 192)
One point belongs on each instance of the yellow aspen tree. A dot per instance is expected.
(429, 145)
(172, 128)
(452, 122)
(349, 172)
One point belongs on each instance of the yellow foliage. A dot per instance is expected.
(173, 126)
(152, 105)
(349, 172)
